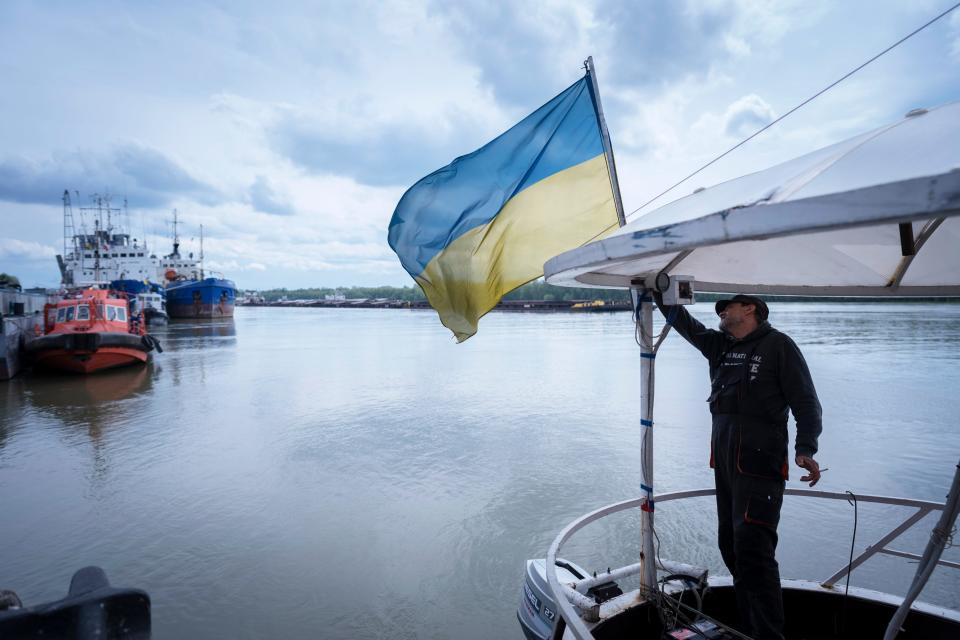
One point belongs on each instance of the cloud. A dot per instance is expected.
(736, 46)
(12, 249)
(397, 151)
(265, 199)
(526, 52)
(747, 115)
(664, 41)
(145, 175)
(231, 266)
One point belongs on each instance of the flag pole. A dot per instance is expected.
(643, 315)
(605, 137)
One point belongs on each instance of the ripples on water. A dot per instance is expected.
(355, 474)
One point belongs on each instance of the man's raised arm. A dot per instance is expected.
(708, 341)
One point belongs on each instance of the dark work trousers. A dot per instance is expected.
(748, 511)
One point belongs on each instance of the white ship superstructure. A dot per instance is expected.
(106, 254)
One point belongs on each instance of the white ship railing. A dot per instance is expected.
(576, 609)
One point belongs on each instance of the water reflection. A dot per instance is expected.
(200, 333)
(90, 409)
(197, 348)
(91, 404)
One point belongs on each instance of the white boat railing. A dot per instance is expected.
(576, 609)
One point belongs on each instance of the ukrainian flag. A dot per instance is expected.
(483, 225)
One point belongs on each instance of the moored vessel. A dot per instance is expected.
(91, 331)
(190, 293)
(206, 298)
(147, 297)
(105, 254)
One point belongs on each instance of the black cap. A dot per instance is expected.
(759, 305)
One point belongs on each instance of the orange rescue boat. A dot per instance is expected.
(91, 331)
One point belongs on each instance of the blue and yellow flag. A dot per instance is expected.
(483, 225)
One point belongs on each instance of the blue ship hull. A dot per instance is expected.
(207, 298)
(135, 286)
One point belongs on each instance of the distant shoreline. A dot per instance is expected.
(572, 306)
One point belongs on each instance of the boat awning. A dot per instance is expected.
(875, 215)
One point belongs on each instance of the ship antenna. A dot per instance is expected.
(125, 217)
(106, 202)
(83, 221)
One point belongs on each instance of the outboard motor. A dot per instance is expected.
(538, 610)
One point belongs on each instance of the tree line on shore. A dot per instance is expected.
(537, 290)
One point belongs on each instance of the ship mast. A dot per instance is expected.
(201, 252)
(69, 235)
(96, 250)
(69, 230)
(176, 238)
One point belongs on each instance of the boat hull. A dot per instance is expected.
(208, 298)
(89, 361)
(154, 317)
(87, 353)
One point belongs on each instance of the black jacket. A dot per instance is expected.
(757, 378)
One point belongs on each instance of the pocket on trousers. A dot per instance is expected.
(759, 455)
(763, 508)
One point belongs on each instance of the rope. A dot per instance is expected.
(802, 104)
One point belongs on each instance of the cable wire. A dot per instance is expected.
(853, 540)
(723, 626)
(805, 102)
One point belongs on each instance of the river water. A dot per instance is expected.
(321, 473)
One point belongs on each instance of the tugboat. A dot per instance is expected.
(190, 294)
(91, 331)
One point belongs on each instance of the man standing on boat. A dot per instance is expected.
(756, 374)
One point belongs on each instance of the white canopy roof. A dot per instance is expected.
(827, 223)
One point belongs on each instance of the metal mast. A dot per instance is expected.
(69, 231)
(176, 237)
(201, 252)
(643, 315)
(96, 250)
(605, 138)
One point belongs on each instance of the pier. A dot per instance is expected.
(21, 315)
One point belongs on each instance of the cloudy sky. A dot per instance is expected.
(291, 129)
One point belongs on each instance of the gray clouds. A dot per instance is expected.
(146, 176)
(378, 154)
(657, 42)
(265, 199)
(526, 52)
